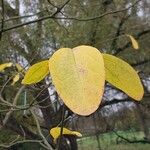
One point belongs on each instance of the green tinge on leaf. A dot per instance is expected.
(16, 78)
(19, 67)
(123, 76)
(36, 73)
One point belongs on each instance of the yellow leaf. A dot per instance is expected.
(134, 41)
(16, 78)
(123, 76)
(55, 132)
(5, 65)
(36, 73)
(19, 67)
(79, 75)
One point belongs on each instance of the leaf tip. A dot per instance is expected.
(77, 133)
(23, 81)
(133, 41)
(9, 64)
(140, 94)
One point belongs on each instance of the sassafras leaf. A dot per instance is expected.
(36, 73)
(133, 41)
(123, 76)
(79, 76)
(55, 132)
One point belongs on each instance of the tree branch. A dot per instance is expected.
(40, 132)
(114, 101)
(114, 42)
(8, 114)
(139, 35)
(2, 23)
(131, 141)
(53, 16)
(8, 145)
(140, 63)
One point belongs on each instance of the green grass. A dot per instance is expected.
(108, 142)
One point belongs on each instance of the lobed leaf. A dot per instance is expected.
(79, 76)
(123, 76)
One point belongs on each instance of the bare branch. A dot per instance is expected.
(40, 132)
(114, 101)
(131, 141)
(8, 114)
(22, 17)
(118, 32)
(2, 24)
(53, 16)
(19, 142)
(140, 63)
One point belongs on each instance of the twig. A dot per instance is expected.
(20, 142)
(52, 4)
(24, 16)
(117, 34)
(6, 84)
(140, 63)
(120, 49)
(53, 16)
(61, 130)
(8, 114)
(114, 101)
(131, 141)
(5, 102)
(2, 23)
(40, 132)
(45, 88)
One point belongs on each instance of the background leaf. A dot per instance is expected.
(16, 78)
(133, 41)
(19, 67)
(36, 73)
(55, 132)
(5, 65)
(123, 76)
(78, 75)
